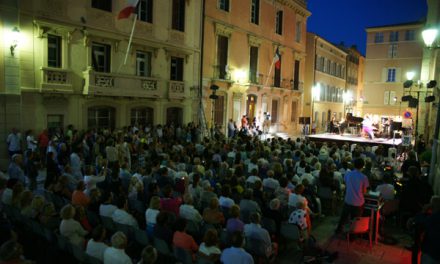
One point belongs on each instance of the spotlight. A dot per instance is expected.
(431, 84)
(406, 98)
(408, 84)
(429, 99)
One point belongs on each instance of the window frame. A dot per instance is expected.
(394, 36)
(391, 74)
(179, 68)
(410, 35)
(279, 22)
(146, 58)
(146, 7)
(378, 37)
(102, 5)
(58, 51)
(178, 15)
(298, 31)
(107, 55)
(222, 55)
(255, 12)
(224, 5)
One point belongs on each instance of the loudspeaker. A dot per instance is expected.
(413, 102)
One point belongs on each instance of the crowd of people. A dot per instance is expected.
(205, 196)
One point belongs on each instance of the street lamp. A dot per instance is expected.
(14, 39)
(316, 91)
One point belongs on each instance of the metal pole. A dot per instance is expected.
(417, 121)
(432, 166)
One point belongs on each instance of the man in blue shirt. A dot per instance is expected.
(356, 184)
(236, 254)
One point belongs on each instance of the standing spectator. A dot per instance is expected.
(187, 210)
(231, 128)
(182, 240)
(75, 163)
(31, 143)
(209, 247)
(212, 215)
(106, 209)
(14, 142)
(52, 171)
(255, 231)
(43, 142)
(356, 186)
(151, 214)
(234, 223)
(116, 253)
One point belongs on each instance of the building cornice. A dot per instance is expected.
(300, 6)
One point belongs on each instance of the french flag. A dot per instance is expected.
(129, 7)
(277, 59)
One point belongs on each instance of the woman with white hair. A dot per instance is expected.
(70, 228)
(116, 253)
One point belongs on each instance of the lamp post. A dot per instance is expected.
(316, 90)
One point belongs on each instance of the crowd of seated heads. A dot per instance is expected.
(224, 183)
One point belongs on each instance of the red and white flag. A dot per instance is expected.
(128, 9)
(277, 59)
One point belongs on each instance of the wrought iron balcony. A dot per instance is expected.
(110, 84)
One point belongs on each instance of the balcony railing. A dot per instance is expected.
(56, 80)
(176, 90)
(110, 84)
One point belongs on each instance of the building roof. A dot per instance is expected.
(412, 23)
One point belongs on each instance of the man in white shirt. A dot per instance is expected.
(107, 208)
(188, 211)
(308, 176)
(121, 216)
(255, 231)
(96, 247)
(270, 182)
(14, 142)
(116, 253)
(253, 178)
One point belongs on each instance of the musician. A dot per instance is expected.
(333, 125)
(244, 122)
(367, 127)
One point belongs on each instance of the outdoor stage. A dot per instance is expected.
(353, 139)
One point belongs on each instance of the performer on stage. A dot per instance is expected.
(367, 127)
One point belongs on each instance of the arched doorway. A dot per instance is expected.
(251, 104)
(174, 115)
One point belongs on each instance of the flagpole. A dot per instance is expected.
(270, 71)
(131, 38)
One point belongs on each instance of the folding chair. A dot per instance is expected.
(182, 255)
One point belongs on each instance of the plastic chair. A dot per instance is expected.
(141, 237)
(162, 247)
(360, 225)
(183, 255)
(108, 223)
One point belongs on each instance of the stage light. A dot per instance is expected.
(408, 84)
(406, 98)
(431, 84)
(429, 99)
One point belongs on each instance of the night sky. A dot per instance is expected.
(346, 20)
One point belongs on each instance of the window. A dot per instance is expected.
(410, 35)
(277, 75)
(329, 63)
(223, 5)
(298, 31)
(145, 10)
(279, 22)
(176, 73)
(54, 51)
(55, 122)
(339, 70)
(141, 116)
(296, 75)
(378, 37)
(333, 69)
(143, 64)
(105, 5)
(101, 117)
(253, 64)
(222, 55)
(219, 110)
(255, 11)
(294, 114)
(321, 63)
(274, 111)
(178, 22)
(392, 51)
(391, 75)
(394, 36)
(101, 57)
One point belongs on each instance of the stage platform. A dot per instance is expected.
(353, 139)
